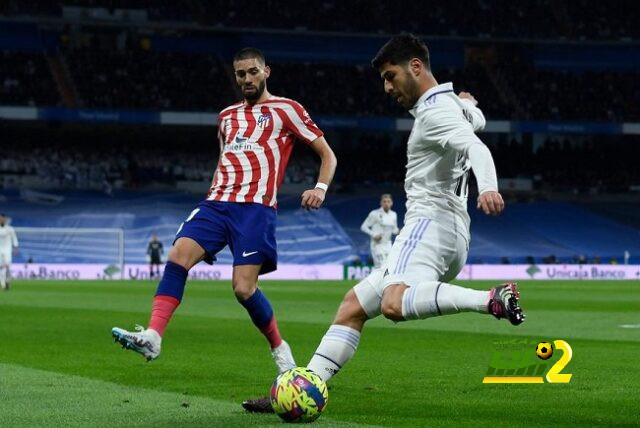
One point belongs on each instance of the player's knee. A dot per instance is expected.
(392, 311)
(185, 253)
(350, 312)
(391, 306)
(179, 257)
(243, 289)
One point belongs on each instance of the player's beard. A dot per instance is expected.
(411, 92)
(254, 96)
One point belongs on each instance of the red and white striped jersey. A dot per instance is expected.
(255, 145)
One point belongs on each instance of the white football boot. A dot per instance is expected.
(143, 341)
(283, 357)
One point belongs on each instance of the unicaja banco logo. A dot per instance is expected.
(111, 270)
(527, 361)
(533, 270)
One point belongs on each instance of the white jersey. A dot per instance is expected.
(438, 158)
(8, 239)
(379, 222)
(434, 241)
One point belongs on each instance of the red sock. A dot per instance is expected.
(272, 333)
(163, 308)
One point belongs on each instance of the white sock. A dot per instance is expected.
(336, 348)
(433, 298)
(3, 277)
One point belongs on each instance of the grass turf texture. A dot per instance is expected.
(59, 366)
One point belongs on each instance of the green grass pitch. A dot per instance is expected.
(59, 366)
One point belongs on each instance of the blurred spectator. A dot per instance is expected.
(559, 19)
(62, 158)
(120, 69)
(139, 79)
(25, 79)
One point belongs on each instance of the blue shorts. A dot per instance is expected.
(248, 228)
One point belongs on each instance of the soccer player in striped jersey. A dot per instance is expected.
(432, 247)
(256, 138)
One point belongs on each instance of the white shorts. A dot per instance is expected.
(5, 257)
(379, 254)
(423, 251)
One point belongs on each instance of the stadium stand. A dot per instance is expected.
(173, 64)
(26, 80)
(134, 78)
(134, 69)
(526, 232)
(572, 165)
(607, 163)
(303, 237)
(570, 20)
(530, 232)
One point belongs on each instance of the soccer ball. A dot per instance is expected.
(544, 350)
(299, 395)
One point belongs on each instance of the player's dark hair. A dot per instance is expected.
(400, 50)
(249, 53)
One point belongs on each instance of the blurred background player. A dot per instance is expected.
(380, 225)
(154, 255)
(8, 245)
(432, 247)
(256, 137)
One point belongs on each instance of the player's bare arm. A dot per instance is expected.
(313, 198)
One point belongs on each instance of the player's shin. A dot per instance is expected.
(337, 347)
(168, 296)
(433, 298)
(261, 313)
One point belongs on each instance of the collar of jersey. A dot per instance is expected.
(444, 87)
(246, 104)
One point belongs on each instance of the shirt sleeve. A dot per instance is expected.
(448, 128)
(221, 135)
(395, 225)
(368, 223)
(300, 123)
(473, 115)
(481, 160)
(14, 238)
(439, 123)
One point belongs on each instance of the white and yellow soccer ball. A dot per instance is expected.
(544, 350)
(299, 395)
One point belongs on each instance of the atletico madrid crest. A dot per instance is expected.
(263, 120)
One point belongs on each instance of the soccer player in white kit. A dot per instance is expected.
(8, 244)
(432, 247)
(380, 225)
